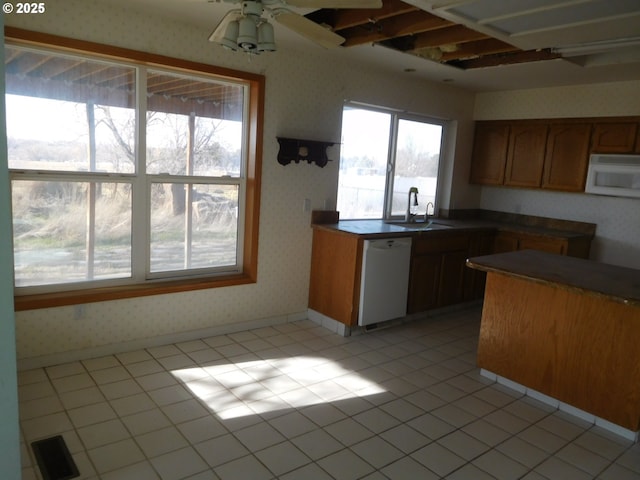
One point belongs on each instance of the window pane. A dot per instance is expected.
(363, 163)
(66, 231)
(69, 113)
(196, 232)
(194, 126)
(417, 159)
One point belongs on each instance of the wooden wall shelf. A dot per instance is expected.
(296, 150)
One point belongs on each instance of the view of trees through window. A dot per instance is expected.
(88, 203)
(383, 154)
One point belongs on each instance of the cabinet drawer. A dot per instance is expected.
(551, 245)
(510, 242)
(439, 244)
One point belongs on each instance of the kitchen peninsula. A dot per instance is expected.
(565, 327)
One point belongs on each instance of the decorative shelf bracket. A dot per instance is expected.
(295, 150)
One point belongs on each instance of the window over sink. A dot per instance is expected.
(383, 154)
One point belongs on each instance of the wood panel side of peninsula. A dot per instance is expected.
(578, 347)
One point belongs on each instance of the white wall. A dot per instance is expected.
(304, 97)
(618, 233)
(9, 433)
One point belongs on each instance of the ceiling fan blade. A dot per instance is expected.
(307, 28)
(218, 34)
(335, 3)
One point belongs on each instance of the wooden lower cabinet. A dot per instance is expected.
(334, 286)
(424, 282)
(437, 277)
(505, 242)
(578, 246)
(480, 243)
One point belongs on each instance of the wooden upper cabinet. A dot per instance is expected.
(525, 157)
(614, 137)
(567, 156)
(547, 153)
(489, 153)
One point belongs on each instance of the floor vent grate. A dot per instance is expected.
(54, 459)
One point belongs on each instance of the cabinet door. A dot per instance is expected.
(614, 137)
(451, 290)
(334, 285)
(525, 157)
(423, 283)
(505, 242)
(474, 280)
(489, 153)
(567, 156)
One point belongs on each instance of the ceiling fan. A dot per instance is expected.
(245, 29)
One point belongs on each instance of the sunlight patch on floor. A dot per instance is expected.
(234, 390)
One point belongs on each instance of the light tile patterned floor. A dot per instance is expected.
(295, 401)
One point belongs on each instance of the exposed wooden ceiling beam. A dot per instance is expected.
(506, 59)
(447, 36)
(407, 28)
(398, 26)
(478, 48)
(350, 18)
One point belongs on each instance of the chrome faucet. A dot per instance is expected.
(409, 216)
(426, 213)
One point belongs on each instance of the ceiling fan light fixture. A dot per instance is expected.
(230, 39)
(266, 38)
(247, 34)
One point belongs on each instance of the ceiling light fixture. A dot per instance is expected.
(248, 31)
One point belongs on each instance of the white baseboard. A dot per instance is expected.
(328, 323)
(563, 407)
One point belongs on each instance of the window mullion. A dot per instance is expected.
(391, 165)
(140, 203)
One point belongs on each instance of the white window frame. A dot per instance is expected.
(396, 116)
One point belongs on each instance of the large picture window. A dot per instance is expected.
(129, 173)
(384, 153)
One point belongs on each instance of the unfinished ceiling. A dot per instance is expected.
(486, 33)
(518, 26)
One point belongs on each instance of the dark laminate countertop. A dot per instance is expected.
(377, 228)
(619, 284)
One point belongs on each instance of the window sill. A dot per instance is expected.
(74, 297)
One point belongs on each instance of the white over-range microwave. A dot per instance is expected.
(615, 175)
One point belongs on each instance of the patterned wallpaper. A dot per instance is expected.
(618, 219)
(598, 100)
(304, 98)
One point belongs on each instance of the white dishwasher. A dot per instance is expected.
(384, 282)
